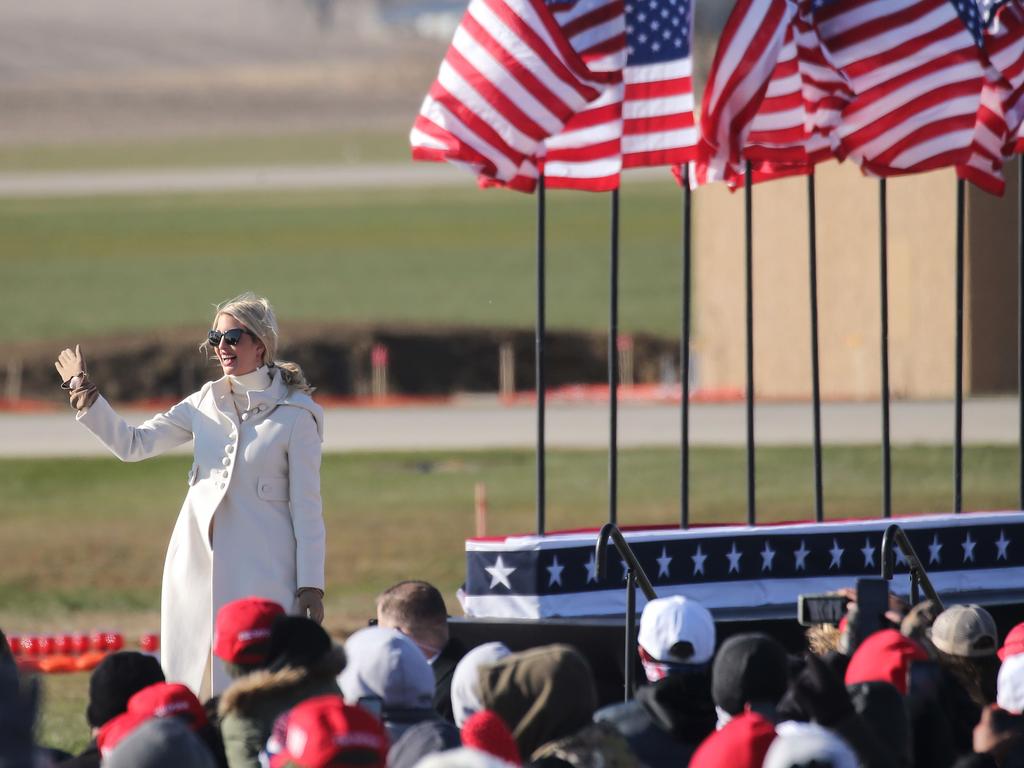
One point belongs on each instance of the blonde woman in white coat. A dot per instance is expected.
(252, 521)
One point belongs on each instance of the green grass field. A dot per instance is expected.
(456, 256)
(209, 152)
(83, 540)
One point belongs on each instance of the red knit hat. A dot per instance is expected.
(243, 628)
(884, 656)
(321, 732)
(742, 743)
(487, 732)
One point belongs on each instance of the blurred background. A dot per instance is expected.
(157, 158)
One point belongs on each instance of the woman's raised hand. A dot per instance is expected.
(70, 363)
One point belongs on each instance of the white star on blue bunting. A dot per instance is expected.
(698, 561)
(837, 554)
(555, 572)
(869, 553)
(663, 563)
(1001, 544)
(499, 574)
(969, 544)
(734, 558)
(801, 556)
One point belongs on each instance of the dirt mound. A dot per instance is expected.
(337, 360)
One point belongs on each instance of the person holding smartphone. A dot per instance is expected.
(252, 521)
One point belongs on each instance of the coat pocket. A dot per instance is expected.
(193, 473)
(272, 488)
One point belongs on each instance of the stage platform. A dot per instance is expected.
(533, 590)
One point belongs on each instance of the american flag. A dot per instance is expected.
(586, 153)
(748, 54)
(647, 122)
(1002, 102)
(782, 140)
(658, 126)
(512, 77)
(916, 74)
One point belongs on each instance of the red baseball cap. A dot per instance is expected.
(243, 628)
(157, 700)
(324, 731)
(1013, 644)
(884, 656)
(169, 700)
(741, 743)
(116, 729)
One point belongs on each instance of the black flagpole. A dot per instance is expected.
(749, 271)
(684, 358)
(883, 248)
(539, 355)
(613, 366)
(1020, 320)
(958, 438)
(812, 225)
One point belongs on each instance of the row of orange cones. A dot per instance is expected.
(71, 652)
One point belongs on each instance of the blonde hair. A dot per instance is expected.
(255, 313)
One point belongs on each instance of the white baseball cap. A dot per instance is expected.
(668, 621)
(1010, 685)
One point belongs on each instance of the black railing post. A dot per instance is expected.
(883, 251)
(613, 366)
(958, 429)
(629, 668)
(749, 301)
(539, 355)
(894, 537)
(1020, 324)
(812, 234)
(684, 359)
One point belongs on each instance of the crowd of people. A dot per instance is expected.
(931, 688)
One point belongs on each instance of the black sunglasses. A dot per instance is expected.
(232, 337)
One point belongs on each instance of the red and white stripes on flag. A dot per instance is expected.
(916, 75)
(748, 52)
(513, 77)
(647, 121)
(1001, 115)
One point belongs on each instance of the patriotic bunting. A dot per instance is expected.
(967, 556)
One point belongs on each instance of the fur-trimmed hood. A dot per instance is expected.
(249, 692)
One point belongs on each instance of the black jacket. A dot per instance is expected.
(444, 668)
(667, 719)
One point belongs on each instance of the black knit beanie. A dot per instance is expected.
(296, 641)
(749, 668)
(115, 680)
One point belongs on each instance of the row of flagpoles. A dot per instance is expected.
(549, 94)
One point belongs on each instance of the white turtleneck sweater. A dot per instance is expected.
(241, 386)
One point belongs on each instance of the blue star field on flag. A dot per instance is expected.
(657, 30)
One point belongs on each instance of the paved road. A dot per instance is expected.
(479, 423)
(248, 179)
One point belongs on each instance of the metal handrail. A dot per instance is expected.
(895, 536)
(634, 575)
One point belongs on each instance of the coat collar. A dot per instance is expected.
(265, 400)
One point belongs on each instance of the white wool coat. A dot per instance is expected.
(252, 522)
